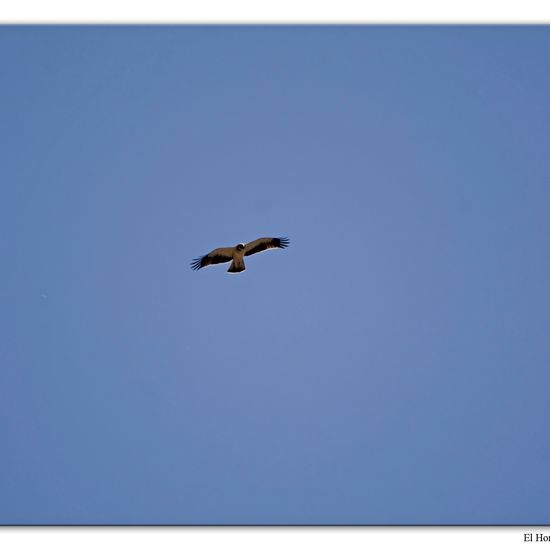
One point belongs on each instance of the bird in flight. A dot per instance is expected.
(237, 253)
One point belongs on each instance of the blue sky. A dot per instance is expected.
(390, 367)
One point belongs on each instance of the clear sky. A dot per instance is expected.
(391, 367)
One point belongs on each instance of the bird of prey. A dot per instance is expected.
(237, 253)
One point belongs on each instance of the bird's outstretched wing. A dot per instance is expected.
(265, 243)
(218, 256)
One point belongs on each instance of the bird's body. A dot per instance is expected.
(236, 254)
(237, 265)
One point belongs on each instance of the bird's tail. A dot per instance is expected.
(236, 266)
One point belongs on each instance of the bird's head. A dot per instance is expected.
(240, 246)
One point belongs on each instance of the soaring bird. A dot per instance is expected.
(237, 253)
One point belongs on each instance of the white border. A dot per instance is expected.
(267, 538)
(273, 12)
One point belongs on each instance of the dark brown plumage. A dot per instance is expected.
(237, 253)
